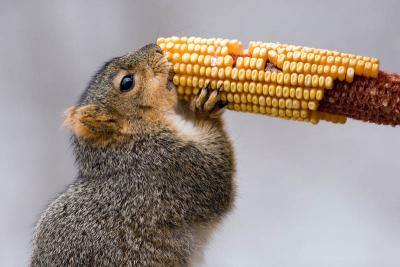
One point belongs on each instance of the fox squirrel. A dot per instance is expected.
(155, 176)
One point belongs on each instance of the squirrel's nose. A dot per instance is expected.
(152, 48)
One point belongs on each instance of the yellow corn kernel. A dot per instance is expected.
(271, 90)
(308, 80)
(280, 78)
(303, 56)
(243, 98)
(300, 79)
(285, 91)
(196, 69)
(350, 75)
(252, 63)
(208, 71)
(256, 51)
(214, 84)
(261, 100)
(175, 68)
(293, 79)
(239, 87)
(314, 117)
(328, 82)
(303, 114)
(234, 74)
(333, 72)
(278, 91)
(259, 88)
(260, 64)
(341, 73)
(260, 76)
(304, 104)
(286, 66)
(293, 66)
(273, 56)
(249, 98)
(241, 74)
(312, 105)
(321, 82)
(308, 68)
(367, 69)
(345, 62)
(175, 79)
(267, 76)
(224, 51)
(323, 60)
(239, 62)
(315, 81)
(273, 77)
(245, 87)
(189, 81)
(374, 70)
(180, 90)
(246, 62)
(314, 68)
(236, 98)
(254, 75)
(299, 67)
(306, 94)
(292, 92)
(248, 74)
(221, 73)
(326, 70)
(228, 72)
(319, 94)
(188, 91)
(359, 67)
(320, 69)
(289, 55)
(289, 103)
(220, 61)
(299, 93)
(281, 61)
(265, 89)
(195, 82)
(352, 62)
(252, 88)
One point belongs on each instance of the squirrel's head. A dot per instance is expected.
(127, 93)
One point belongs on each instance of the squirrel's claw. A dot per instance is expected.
(219, 109)
(212, 101)
(208, 102)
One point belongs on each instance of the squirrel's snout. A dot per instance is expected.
(152, 48)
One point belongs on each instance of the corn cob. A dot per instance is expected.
(291, 82)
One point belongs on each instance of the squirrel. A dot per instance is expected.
(155, 175)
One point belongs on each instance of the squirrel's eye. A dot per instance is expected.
(127, 83)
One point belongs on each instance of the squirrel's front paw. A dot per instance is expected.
(208, 102)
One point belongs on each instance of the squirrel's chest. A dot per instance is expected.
(185, 128)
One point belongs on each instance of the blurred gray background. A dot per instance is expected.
(325, 195)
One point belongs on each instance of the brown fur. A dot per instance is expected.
(155, 176)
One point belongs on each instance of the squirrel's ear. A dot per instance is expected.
(90, 121)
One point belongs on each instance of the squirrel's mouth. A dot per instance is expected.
(170, 86)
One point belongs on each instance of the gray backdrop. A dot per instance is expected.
(325, 195)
